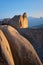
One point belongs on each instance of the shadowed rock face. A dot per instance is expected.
(22, 50)
(16, 21)
(19, 21)
(2, 60)
(35, 36)
(5, 21)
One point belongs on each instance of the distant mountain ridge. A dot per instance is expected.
(1, 19)
(38, 26)
(35, 21)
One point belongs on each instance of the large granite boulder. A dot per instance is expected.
(22, 50)
(6, 57)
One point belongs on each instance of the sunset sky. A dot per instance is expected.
(9, 8)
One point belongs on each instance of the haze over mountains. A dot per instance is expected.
(35, 22)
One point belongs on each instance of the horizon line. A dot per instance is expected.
(27, 17)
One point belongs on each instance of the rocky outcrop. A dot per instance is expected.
(22, 50)
(25, 21)
(35, 36)
(5, 21)
(18, 21)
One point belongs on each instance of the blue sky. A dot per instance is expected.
(9, 8)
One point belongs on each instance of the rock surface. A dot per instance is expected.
(22, 50)
(35, 36)
(5, 49)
